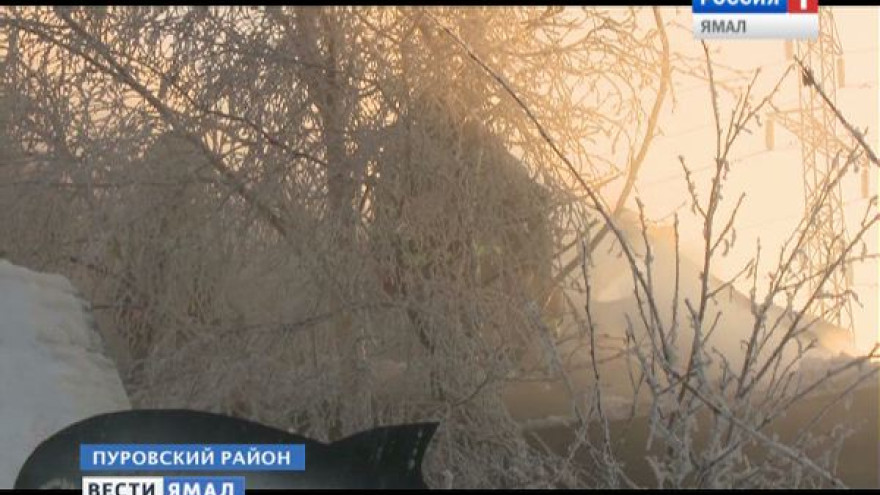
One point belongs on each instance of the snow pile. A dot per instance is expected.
(614, 299)
(53, 371)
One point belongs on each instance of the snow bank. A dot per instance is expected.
(613, 298)
(53, 371)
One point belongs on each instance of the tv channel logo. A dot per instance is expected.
(163, 485)
(756, 19)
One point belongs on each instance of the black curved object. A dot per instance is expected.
(385, 457)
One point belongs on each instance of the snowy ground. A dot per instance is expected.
(53, 371)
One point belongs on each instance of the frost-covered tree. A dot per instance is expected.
(237, 191)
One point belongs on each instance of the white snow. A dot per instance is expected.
(53, 371)
(613, 295)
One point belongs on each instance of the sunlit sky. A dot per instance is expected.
(772, 180)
